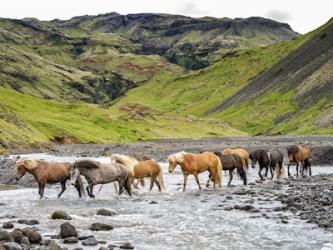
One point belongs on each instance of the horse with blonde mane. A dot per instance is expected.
(142, 169)
(195, 164)
(48, 173)
(241, 152)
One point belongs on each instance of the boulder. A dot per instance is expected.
(17, 235)
(12, 246)
(71, 240)
(100, 227)
(105, 212)
(126, 245)
(5, 236)
(8, 225)
(91, 241)
(33, 235)
(28, 222)
(67, 230)
(60, 215)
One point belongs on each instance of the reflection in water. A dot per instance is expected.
(191, 220)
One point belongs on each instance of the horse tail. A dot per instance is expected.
(242, 173)
(219, 171)
(161, 179)
(247, 164)
(80, 185)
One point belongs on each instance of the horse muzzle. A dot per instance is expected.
(17, 178)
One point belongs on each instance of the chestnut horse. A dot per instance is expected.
(142, 169)
(196, 164)
(300, 154)
(47, 173)
(241, 152)
(98, 173)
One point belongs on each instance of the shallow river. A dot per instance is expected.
(190, 220)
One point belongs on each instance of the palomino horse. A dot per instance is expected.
(98, 173)
(142, 169)
(195, 164)
(241, 152)
(300, 154)
(47, 172)
(231, 162)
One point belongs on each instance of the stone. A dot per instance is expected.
(152, 202)
(103, 248)
(100, 227)
(71, 240)
(33, 235)
(17, 235)
(12, 246)
(50, 245)
(67, 230)
(5, 236)
(28, 222)
(60, 215)
(105, 212)
(8, 225)
(91, 241)
(126, 245)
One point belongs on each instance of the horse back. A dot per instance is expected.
(52, 172)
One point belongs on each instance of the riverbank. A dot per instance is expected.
(322, 146)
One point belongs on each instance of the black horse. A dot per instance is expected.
(267, 159)
(231, 162)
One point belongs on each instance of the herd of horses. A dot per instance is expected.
(128, 172)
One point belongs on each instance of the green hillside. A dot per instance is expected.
(90, 80)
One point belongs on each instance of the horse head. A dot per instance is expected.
(174, 160)
(23, 166)
(253, 159)
(74, 174)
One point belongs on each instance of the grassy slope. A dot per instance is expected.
(198, 92)
(261, 115)
(26, 120)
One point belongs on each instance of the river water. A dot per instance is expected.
(172, 219)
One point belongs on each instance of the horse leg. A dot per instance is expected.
(297, 169)
(128, 186)
(309, 166)
(230, 176)
(41, 189)
(91, 190)
(266, 173)
(121, 187)
(260, 169)
(158, 184)
(63, 188)
(289, 169)
(197, 180)
(185, 181)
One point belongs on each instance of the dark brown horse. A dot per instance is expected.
(47, 173)
(300, 154)
(231, 162)
(261, 156)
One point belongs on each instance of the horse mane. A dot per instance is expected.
(125, 160)
(178, 157)
(87, 164)
(293, 149)
(28, 164)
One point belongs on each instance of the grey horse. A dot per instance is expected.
(98, 173)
